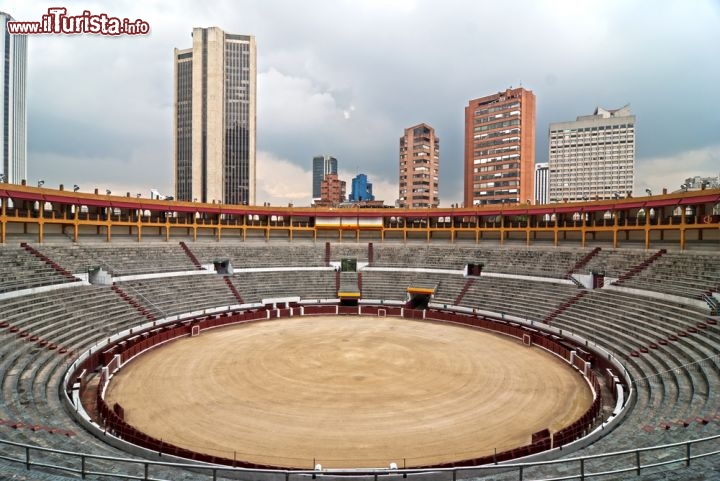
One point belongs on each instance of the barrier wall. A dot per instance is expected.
(136, 343)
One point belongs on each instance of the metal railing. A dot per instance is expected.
(635, 461)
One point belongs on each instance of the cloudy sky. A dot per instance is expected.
(346, 77)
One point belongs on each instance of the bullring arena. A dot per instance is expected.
(160, 340)
(349, 392)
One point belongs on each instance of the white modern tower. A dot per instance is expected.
(593, 157)
(541, 182)
(13, 105)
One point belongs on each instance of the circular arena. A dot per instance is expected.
(422, 356)
(348, 392)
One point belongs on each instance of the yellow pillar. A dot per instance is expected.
(682, 236)
(3, 221)
(76, 224)
(41, 216)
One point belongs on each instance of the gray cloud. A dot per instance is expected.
(346, 78)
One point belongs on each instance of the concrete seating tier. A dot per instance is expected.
(33, 361)
(615, 262)
(170, 296)
(255, 286)
(261, 255)
(21, 270)
(119, 259)
(677, 381)
(393, 285)
(543, 262)
(648, 330)
(340, 251)
(349, 282)
(518, 297)
(680, 274)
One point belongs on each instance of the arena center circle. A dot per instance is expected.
(348, 392)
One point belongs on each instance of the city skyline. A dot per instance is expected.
(313, 97)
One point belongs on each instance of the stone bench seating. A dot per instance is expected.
(536, 262)
(695, 384)
(255, 286)
(349, 251)
(79, 316)
(530, 300)
(393, 285)
(680, 274)
(22, 270)
(53, 317)
(615, 262)
(178, 295)
(261, 255)
(665, 318)
(121, 259)
(664, 390)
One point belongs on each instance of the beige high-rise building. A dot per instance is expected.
(214, 118)
(419, 167)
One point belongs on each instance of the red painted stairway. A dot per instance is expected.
(564, 306)
(582, 262)
(234, 290)
(464, 290)
(138, 307)
(48, 261)
(192, 257)
(640, 267)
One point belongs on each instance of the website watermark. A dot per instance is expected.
(57, 21)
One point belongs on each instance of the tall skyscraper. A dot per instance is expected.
(419, 167)
(214, 118)
(500, 148)
(13, 106)
(361, 189)
(322, 165)
(541, 183)
(593, 156)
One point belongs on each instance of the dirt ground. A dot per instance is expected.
(348, 392)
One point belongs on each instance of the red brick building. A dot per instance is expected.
(419, 167)
(500, 148)
(332, 191)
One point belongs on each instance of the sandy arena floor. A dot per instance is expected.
(348, 392)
